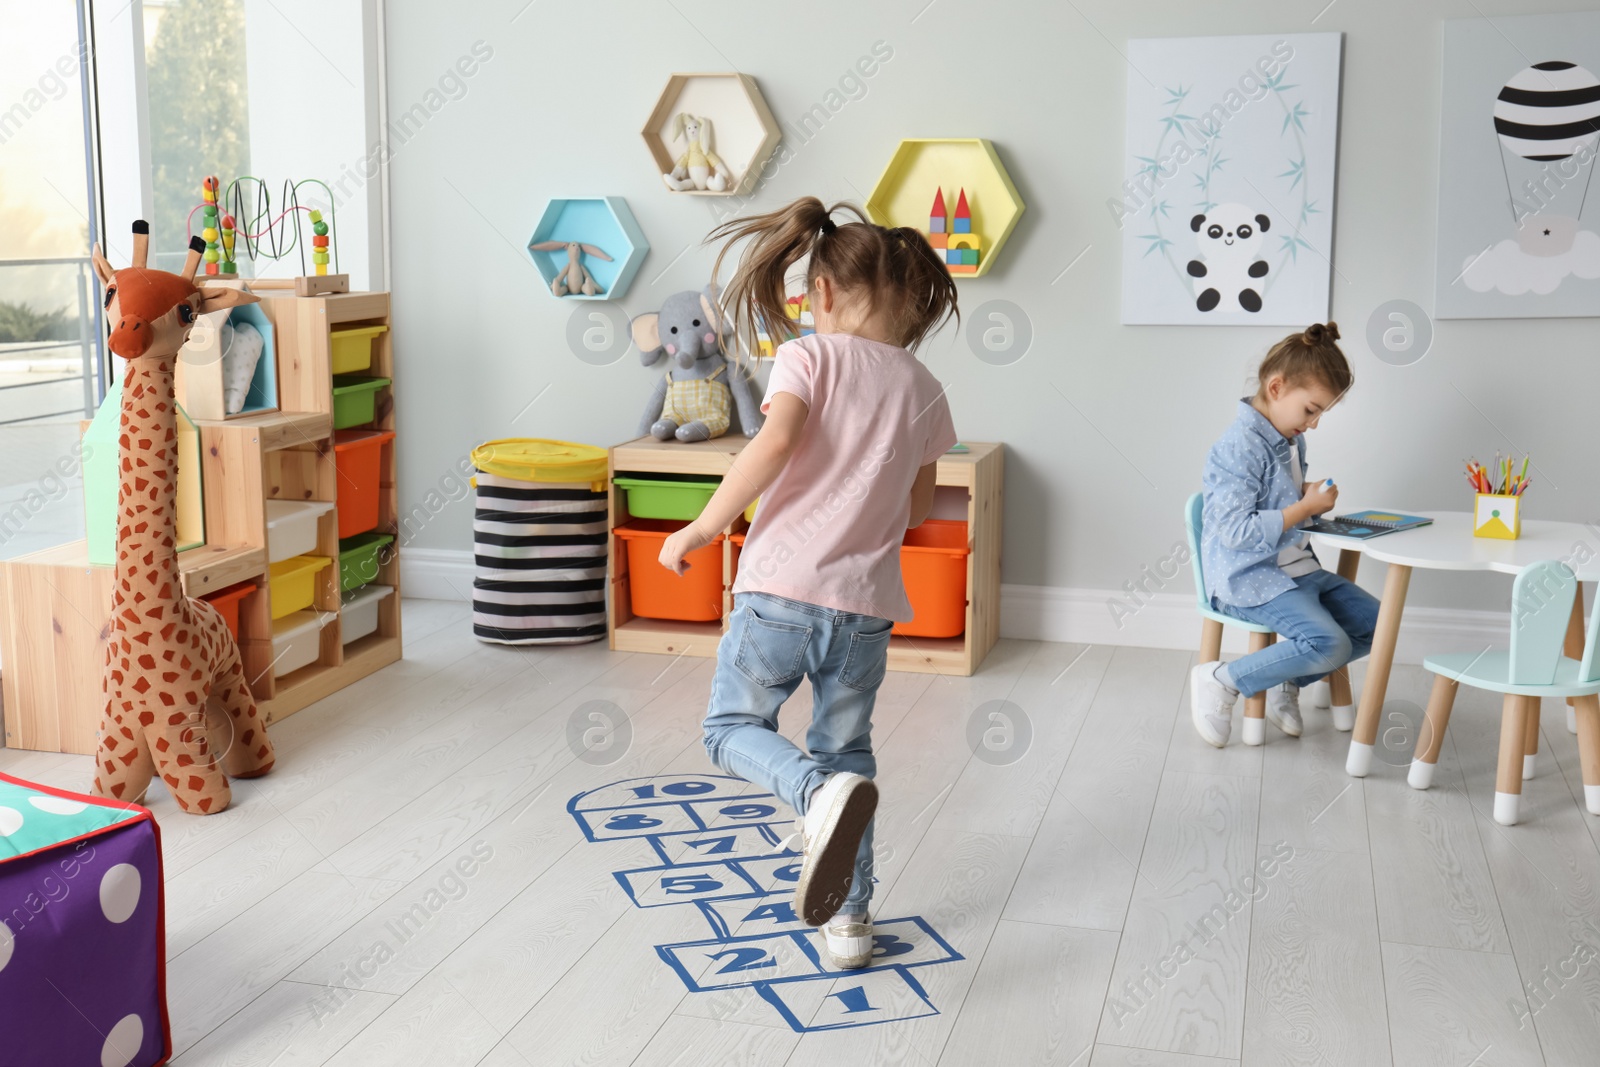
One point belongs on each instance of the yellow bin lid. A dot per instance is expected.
(534, 459)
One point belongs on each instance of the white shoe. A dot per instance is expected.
(848, 939)
(830, 834)
(1211, 704)
(1283, 708)
(1321, 693)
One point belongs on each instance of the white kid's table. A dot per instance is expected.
(1446, 545)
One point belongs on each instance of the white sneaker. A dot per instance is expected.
(1320, 692)
(830, 833)
(848, 939)
(1211, 704)
(1283, 708)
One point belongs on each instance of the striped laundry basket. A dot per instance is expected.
(539, 539)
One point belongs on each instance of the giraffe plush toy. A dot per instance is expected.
(177, 702)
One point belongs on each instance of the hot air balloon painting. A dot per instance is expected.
(1517, 234)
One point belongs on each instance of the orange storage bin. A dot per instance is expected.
(933, 563)
(359, 457)
(738, 546)
(657, 593)
(227, 601)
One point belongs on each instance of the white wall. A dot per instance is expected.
(308, 71)
(556, 110)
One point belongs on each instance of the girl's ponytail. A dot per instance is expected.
(893, 270)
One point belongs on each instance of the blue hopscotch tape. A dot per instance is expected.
(795, 955)
(883, 995)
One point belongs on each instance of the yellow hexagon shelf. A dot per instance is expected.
(957, 192)
(710, 133)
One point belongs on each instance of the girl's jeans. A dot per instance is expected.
(771, 644)
(1322, 623)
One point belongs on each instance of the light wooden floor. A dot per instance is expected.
(1105, 891)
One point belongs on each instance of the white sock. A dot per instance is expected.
(844, 917)
(1225, 678)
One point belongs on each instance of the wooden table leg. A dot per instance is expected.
(1573, 649)
(1426, 756)
(1255, 708)
(1508, 771)
(1339, 680)
(1210, 640)
(1395, 584)
(1530, 739)
(1589, 750)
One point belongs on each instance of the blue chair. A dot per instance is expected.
(1534, 667)
(1212, 622)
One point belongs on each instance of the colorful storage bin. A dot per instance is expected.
(351, 349)
(82, 946)
(359, 614)
(358, 454)
(933, 564)
(667, 496)
(539, 540)
(297, 640)
(657, 593)
(292, 527)
(355, 400)
(294, 583)
(227, 601)
(359, 559)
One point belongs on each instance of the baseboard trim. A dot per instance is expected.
(1169, 620)
(1052, 613)
(436, 573)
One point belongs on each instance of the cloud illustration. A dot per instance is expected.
(1512, 271)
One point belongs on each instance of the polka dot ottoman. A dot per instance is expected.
(82, 940)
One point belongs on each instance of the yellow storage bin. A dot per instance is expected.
(351, 350)
(294, 583)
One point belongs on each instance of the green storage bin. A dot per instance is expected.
(355, 399)
(666, 496)
(358, 559)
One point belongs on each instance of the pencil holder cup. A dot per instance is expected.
(1497, 515)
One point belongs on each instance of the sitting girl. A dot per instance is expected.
(1255, 558)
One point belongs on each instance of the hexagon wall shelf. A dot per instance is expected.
(743, 131)
(602, 221)
(963, 177)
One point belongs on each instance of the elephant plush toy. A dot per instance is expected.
(691, 402)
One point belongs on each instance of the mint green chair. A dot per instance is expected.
(1212, 622)
(1533, 668)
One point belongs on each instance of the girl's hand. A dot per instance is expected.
(679, 545)
(1321, 498)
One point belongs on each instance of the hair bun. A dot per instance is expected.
(1318, 332)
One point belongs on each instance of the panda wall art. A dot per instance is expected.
(1519, 211)
(1226, 210)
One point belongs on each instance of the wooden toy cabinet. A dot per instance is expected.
(979, 472)
(54, 606)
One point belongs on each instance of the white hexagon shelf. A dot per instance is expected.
(735, 128)
(602, 223)
(955, 190)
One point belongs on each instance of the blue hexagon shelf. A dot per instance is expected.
(601, 221)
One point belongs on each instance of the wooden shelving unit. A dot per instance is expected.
(54, 606)
(980, 472)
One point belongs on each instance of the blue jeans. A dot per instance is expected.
(771, 644)
(1323, 623)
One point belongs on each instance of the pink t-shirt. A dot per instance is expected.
(828, 529)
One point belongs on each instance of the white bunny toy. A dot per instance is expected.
(699, 167)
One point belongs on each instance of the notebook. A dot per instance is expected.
(1365, 524)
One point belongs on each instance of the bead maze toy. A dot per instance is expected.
(244, 209)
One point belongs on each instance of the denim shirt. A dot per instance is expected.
(1248, 483)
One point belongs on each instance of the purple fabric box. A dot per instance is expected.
(82, 934)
